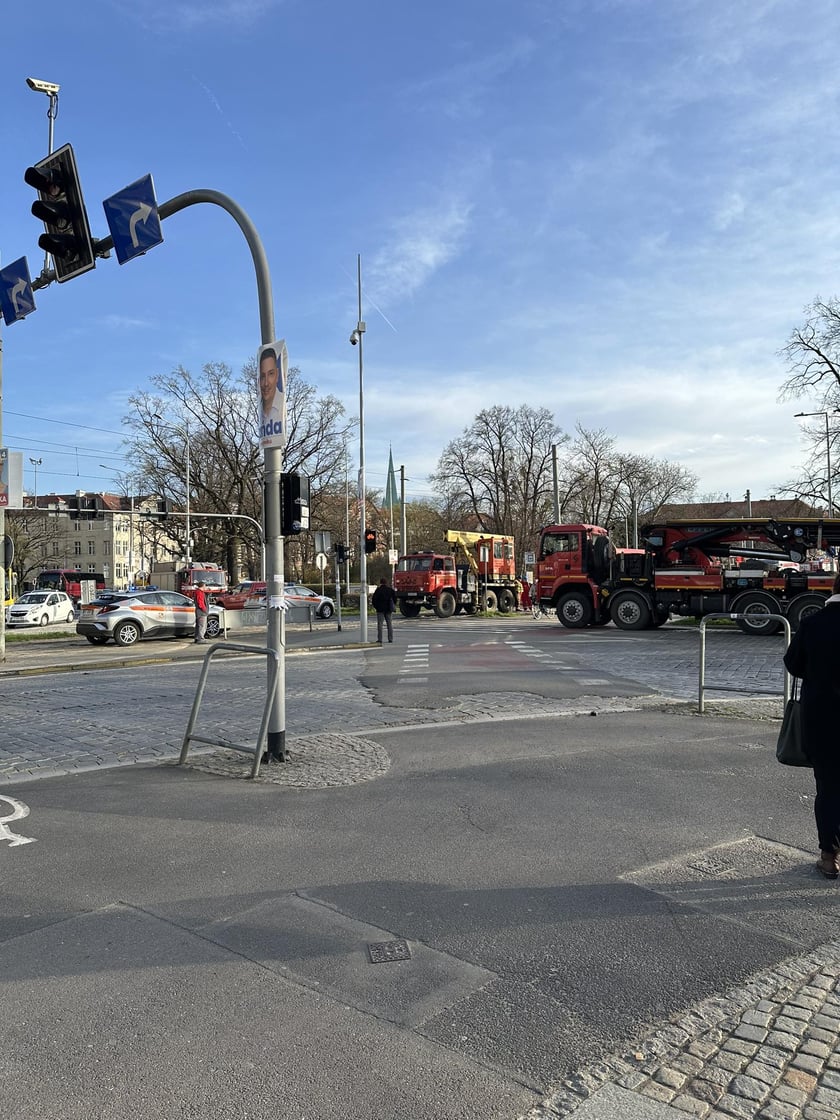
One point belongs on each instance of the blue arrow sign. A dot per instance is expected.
(133, 219)
(17, 300)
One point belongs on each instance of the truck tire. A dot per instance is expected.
(575, 610)
(409, 610)
(757, 604)
(445, 605)
(506, 600)
(630, 610)
(490, 603)
(802, 606)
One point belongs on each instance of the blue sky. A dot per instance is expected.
(616, 209)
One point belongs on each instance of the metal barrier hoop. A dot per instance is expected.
(257, 751)
(703, 687)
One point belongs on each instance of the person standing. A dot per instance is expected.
(384, 602)
(200, 613)
(814, 656)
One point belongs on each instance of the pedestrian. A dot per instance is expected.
(200, 612)
(814, 656)
(384, 602)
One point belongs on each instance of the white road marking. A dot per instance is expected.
(19, 811)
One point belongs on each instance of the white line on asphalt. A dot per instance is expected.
(19, 811)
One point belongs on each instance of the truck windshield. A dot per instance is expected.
(415, 564)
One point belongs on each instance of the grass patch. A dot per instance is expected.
(13, 637)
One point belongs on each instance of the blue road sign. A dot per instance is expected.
(17, 300)
(133, 219)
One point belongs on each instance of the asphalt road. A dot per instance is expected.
(183, 942)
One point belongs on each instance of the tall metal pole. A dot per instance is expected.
(556, 484)
(35, 464)
(403, 545)
(363, 591)
(346, 522)
(187, 506)
(828, 465)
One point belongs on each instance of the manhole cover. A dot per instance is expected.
(383, 951)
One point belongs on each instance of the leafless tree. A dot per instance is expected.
(219, 409)
(497, 476)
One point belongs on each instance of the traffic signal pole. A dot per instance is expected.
(272, 463)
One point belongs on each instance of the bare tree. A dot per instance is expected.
(497, 475)
(812, 354)
(601, 485)
(219, 408)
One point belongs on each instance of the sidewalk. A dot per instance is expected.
(73, 652)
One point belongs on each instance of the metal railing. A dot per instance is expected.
(190, 737)
(703, 687)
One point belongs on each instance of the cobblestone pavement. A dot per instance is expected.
(766, 1050)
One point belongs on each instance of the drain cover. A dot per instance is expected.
(383, 951)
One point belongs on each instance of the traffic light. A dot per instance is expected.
(163, 507)
(370, 540)
(341, 553)
(294, 504)
(61, 207)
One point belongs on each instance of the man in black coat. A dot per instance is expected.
(814, 655)
(384, 601)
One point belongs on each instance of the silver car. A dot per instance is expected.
(134, 615)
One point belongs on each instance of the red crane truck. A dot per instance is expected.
(690, 568)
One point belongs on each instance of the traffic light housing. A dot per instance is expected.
(163, 507)
(61, 207)
(370, 540)
(341, 553)
(294, 504)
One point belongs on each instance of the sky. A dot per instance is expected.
(614, 209)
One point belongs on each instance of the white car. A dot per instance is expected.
(40, 608)
(296, 595)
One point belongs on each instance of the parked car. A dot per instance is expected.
(133, 615)
(297, 596)
(235, 600)
(40, 608)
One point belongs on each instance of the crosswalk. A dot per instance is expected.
(416, 660)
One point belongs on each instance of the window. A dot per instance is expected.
(77, 548)
(106, 548)
(91, 548)
(560, 542)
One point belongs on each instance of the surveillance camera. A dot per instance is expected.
(354, 338)
(43, 87)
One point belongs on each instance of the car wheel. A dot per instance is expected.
(326, 611)
(213, 627)
(70, 616)
(127, 634)
(44, 620)
(96, 639)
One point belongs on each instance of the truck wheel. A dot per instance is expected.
(491, 603)
(575, 610)
(757, 604)
(802, 606)
(630, 610)
(506, 601)
(409, 610)
(445, 605)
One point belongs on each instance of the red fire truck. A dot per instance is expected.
(478, 573)
(687, 567)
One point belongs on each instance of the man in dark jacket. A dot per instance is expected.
(814, 655)
(384, 601)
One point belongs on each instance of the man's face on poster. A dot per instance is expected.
(268, 381)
